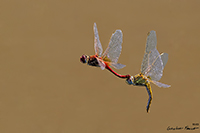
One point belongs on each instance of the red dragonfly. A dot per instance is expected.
(109, 57)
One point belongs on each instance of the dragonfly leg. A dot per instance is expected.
(148, 87)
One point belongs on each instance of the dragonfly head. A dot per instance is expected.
(84, 58)
(130, 80)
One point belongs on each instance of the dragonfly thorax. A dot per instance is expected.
(140, 79)
(92, 61)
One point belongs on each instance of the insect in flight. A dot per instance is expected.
(151, 69)
(109, 57)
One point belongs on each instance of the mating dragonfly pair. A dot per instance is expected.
(152, 65)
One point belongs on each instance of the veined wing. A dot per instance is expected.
(164, 57)
(160, 84)
(117, 65)
(97, 44)
(155, 67)
(157, 64)
(101, 63)
(152, 64)
(150, 45)
(114, 48)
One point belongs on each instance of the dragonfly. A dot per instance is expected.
(109, 57)
(151, 69)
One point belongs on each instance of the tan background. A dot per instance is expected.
(45, 89)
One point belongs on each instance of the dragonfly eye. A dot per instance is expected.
(129, 80)
(83, 59)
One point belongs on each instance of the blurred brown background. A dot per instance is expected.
(45, 89)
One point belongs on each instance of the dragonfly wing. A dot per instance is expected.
(164, 57)
(101, 64)
(97, 44)
(155, 68)
(152, 64)
(117, 65)
(150, 45)
(115, 46)
(161, 84)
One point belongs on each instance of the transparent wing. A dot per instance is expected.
(117, 65)
(160, 84)
(155, 67)
(164, 57)
(150, 45)
(152, 64)
(101, 63)
(115, 46)
(97, 44)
